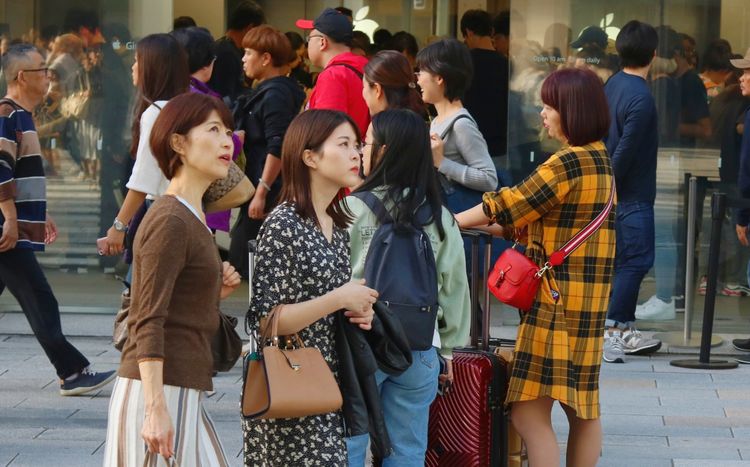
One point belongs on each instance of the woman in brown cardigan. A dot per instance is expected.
(178, 281)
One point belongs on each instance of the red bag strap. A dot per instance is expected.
(559, 256)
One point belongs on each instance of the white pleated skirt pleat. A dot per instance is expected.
(196, 443)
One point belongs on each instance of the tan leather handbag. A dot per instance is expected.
(229, 192)
(287, 382)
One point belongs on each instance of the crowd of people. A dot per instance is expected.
(382, 133)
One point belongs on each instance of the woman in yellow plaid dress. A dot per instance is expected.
(559, 347)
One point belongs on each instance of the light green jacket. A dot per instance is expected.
(454, 309)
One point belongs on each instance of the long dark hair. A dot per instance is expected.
(391, 70)
(309, 130)
(162, 74)
(405, 168)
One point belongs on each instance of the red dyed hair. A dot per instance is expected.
(578, 96)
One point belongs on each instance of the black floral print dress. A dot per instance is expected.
(295, 263)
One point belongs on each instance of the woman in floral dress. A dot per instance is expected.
(303, 262)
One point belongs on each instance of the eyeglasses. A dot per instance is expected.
(312, 36)
(31, 70)
(361, 147)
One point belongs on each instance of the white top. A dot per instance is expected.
(147, 176)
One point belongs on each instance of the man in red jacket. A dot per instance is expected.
(339, 85)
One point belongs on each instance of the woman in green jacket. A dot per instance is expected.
(397, 161)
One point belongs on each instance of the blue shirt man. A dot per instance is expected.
(632, 143)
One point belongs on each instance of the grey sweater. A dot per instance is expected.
(467, 160)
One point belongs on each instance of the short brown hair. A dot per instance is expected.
(578, 96)
(309, 130)
(267, 39)
(179, 116)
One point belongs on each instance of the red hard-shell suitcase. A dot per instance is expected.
(468, 425)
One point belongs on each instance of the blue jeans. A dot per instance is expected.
(634, 256)
(406, 403)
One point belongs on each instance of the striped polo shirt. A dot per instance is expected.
(22, 174)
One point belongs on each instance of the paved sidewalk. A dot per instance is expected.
(653, 414)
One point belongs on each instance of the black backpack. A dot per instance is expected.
(400, 265)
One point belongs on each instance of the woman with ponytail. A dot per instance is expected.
(389, 83)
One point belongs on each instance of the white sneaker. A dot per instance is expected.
(655, 309)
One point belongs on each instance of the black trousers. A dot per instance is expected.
(21, 274)
(246, 229)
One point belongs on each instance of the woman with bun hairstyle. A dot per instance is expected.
(388, 83)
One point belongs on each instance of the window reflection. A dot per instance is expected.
(84, 121)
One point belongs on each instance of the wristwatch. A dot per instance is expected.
(119, 226)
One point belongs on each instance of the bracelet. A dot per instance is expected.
(263, 183)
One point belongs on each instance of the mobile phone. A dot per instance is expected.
(443, 386)
(101, 244)
(443, 365)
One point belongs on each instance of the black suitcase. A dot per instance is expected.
(468, 425)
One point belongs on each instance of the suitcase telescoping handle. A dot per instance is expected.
(480, 315)
(252, 246)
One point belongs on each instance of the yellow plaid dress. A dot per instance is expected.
(559, 347)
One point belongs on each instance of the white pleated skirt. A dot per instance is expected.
(196, 443)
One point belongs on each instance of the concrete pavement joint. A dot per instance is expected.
(40, 433)
(50, 382)
(98, 447)
(74, 412)
(14, 458)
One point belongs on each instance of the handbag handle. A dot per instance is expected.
(271, 329)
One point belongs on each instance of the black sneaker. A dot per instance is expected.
(86, 381)
(743, 360)
(742, 344)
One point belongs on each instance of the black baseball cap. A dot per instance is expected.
(331, 23)
(591, 35)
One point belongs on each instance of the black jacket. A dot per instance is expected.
(360, 354)
(265, 116)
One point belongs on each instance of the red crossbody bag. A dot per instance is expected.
(515, 279)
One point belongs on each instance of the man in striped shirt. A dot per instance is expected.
(25, 225)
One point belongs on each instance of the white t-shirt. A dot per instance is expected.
(147, 176)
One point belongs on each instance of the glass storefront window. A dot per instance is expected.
(699, 133)
(84, 123)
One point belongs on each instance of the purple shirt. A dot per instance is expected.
(216, 220)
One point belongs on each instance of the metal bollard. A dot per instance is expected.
(718, 211)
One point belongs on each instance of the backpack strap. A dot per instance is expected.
(449, 128)
(346, 65)
(423, 213)
(375, 205)
(578, 239)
